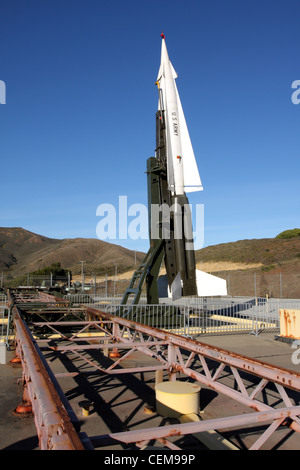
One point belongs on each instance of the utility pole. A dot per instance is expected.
(115, 278)
(82, 274)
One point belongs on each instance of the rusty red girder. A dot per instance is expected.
(54, 427)
(30, 296)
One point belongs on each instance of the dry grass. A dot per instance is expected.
(214, 266)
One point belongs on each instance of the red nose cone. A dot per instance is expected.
(162, 35)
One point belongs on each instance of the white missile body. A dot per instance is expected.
(182, 176)
(182, 171)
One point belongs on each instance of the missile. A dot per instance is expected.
(182, 169)
(182, 177)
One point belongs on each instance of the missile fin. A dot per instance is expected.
(192, 181)
(176, 289)
(173, 71)
(160, 74)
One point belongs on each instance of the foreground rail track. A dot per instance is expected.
(45, 325)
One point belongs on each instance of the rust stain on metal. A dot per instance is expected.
(174, 432)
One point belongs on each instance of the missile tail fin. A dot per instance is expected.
(192, 181)
(173, 71)
(176, 289)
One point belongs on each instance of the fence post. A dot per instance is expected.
(254, 309)
(186, 321)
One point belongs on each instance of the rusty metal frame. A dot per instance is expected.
(52, 416)
(220, 370)
(142, 437)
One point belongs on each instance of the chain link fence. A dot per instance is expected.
(262, 284)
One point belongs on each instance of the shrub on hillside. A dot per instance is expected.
(289, 233)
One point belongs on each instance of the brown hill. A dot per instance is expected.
(268, 253)
(250, 266)
(22, 252)
(256, 267)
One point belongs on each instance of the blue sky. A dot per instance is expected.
(79, 121)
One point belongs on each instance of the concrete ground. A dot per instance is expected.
(16, 432)
(127, 402)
